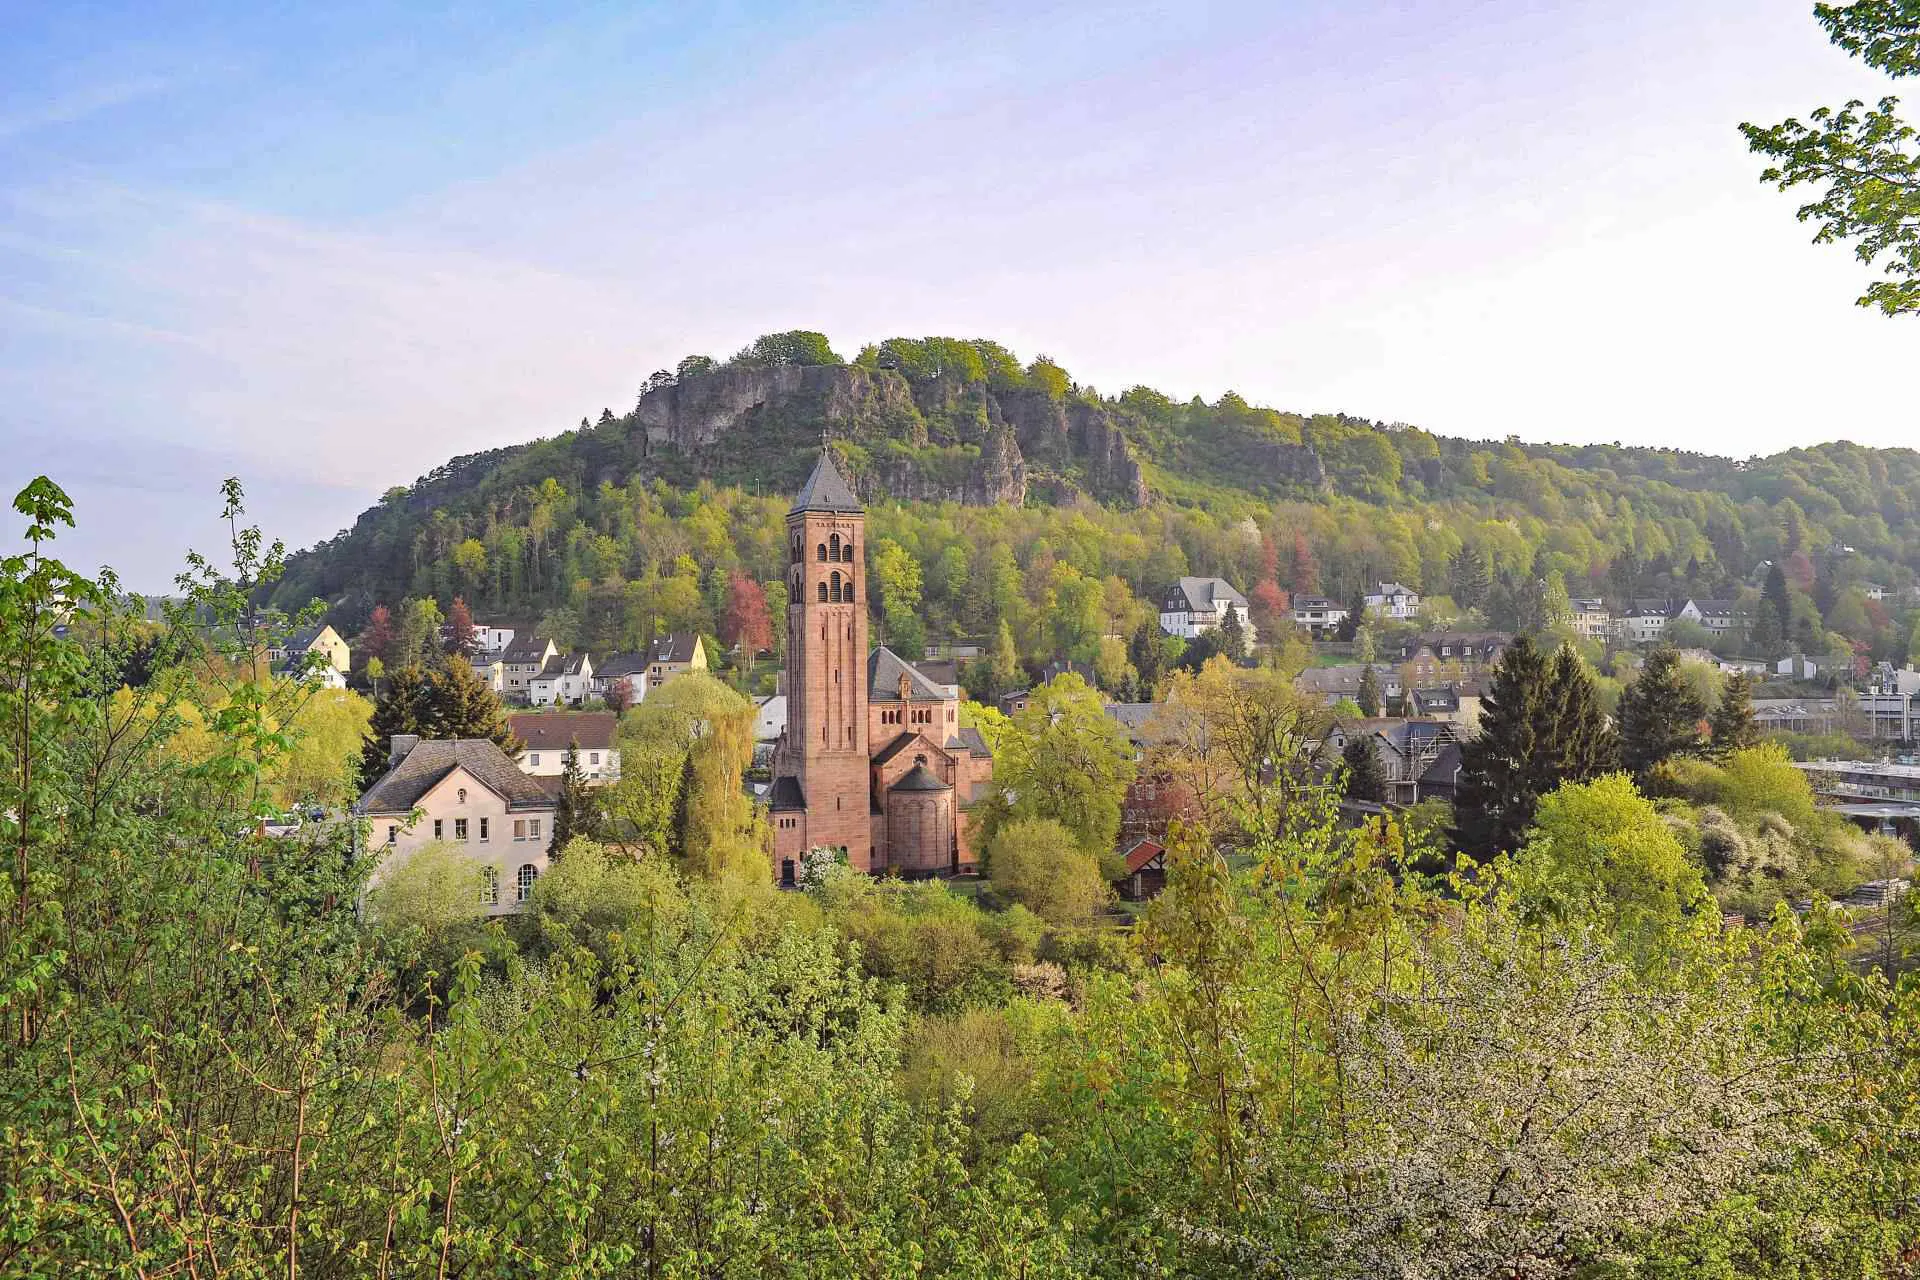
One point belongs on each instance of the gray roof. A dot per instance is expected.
(675, 646)
(970, 739)
(525, 649)
(563, 664)
(884, 669)
(786, 794)
(826, 489)
(920, 778)
(554, 730)
(400, 788)
(1203, 594)
(619, 665)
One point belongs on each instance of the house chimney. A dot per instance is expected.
(401, 743)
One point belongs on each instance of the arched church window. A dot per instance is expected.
(833, 548)
(833, 592)
(823, 600)
(821, 552)
(846, 552)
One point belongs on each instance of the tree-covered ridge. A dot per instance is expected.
(992, 474)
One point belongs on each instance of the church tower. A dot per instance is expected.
(821, 797)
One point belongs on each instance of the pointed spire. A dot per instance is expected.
(825, 490)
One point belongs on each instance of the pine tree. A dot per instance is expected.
(1576, 739)
(1369, 694)
(1146, 654)
(1356, 616)
(1500, 767)
(1233, 637)
(1774, 596)
(1660, 715)
(1732, 722)
(1365, 778)
(1472, 580)
(574, 813)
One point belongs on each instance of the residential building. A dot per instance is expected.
(1592, 619)
(1391, 600)
(492, 671)
(488, 639)
(1426, 660)
(566, 681)
(1406, 749)
(873, 761)
(295, 655)
(548, 734)
(1194, 606)
(1318, 614)
(523, 659)
(673, 654)
(1330, 684)
(1864, 779)
(1796, 715)
(1644, 622)
(465, 793)
(616, 667)
(1715, 615)
(1803, 666)
(1875, 591)
(1454, 704)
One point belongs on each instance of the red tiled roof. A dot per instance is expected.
(1141, 854)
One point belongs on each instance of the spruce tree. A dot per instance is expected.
(1660, 715)
(1365, 779)
(1356, 616)
(459, 704)
(1369, 694)
(1500, 767)
(401, 708)
(1774, 596)
(1233, 637)
(574, 813)
(1732, 722)
(1577, 741)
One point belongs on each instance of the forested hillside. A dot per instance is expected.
(1020, 496)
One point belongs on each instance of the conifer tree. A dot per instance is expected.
(1369, 694)
(1774, 596)
(1578, 743)
(1500, 768)
(1356, 616)
(1732, 722)
(1233, 637)
(1365, 779)
(574, 813)
(460, 705)
(1660, 715)
(402, 708)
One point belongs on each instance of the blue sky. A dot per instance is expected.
(328, 247)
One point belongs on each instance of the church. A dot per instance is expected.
(873, 761)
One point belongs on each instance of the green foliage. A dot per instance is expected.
(1600, 846)
(1063, 758)
(1039, 864)
(1659, 715)
(1365, 778)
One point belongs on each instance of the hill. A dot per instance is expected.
(993, 477)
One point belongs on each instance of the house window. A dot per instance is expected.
(523, 882)
(393, 833)
(534, 759)
(593, 757)
(436, 828)
(519, 828)
(489, 885)
(459, 828)
(533, 828)
(483, 828)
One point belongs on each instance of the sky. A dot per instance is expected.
(327, 247)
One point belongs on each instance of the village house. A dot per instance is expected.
(522, 660)
(492, 671)
(673, 654)
(295, 655)
(1449, 655)
(548, 734)
(1591, 619)
(467, 794)
(1391, 600)
(565, 681)
(1454, 704)
(1146, 874)
(1406, 749)
(1330, 684)
(618, 667)
(1644, 622)
(488, 639)
(1194, 606)
(1318, 614)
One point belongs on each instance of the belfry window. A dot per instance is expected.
(833, 548)
(821, 552)
(823, 593)
(833, 592)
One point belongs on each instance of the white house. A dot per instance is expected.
(1644, 622)
(566, 680)
(1318, 613)
(492, 671)
(548, 734)
(615, 667)
(464, 793)
(322, 642)
(1592, 619)
(1391, 600)
(1715, 615)
(1195, 606)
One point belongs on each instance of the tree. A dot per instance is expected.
(745, 621)
(1471, 577)
(1365, 778)
(1063, 757)
(377, 640)
(1356, 615)
(620, 695)
(1602, 845)
(1775, 598)
(1578, 741)
(1233, 637)
(1037, 863)
(1732, 725)
(1861, 159)
(459, 704)
(1659, 715)
(459, 628)
(1305, 579)
(897, 574)
(401, 709)
(575, 814)
(1369, 695)
(1243, 742)
(1500, 767)
(1268, 605)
